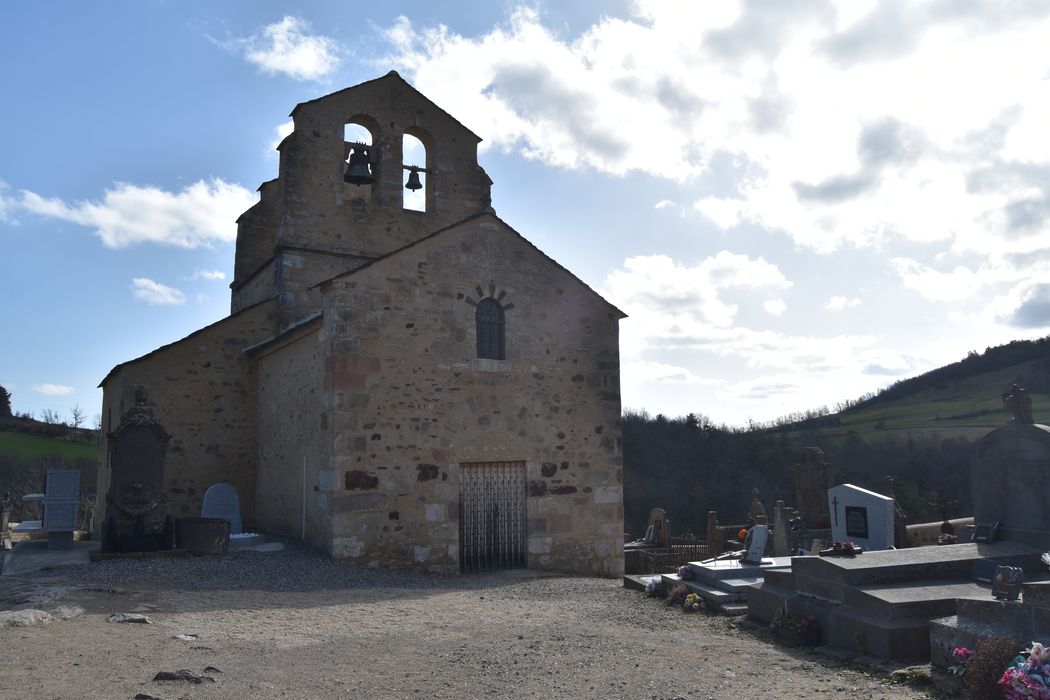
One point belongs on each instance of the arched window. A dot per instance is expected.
(414, 157)
(489, 320)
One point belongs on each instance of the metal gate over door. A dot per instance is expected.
(492, 516)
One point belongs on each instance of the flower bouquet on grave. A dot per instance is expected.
(677, 596)
(842, 549)
(1028, 675)
(693, 603)
(947, 538)
(961, 656)
(685, 573)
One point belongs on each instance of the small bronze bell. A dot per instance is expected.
(413, 180)
(359, 167)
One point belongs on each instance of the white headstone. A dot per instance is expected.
(759, 536)
(220, 501)
(862, 517)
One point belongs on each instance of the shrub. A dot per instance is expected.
(984, 668)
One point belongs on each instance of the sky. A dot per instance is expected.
(795, 202)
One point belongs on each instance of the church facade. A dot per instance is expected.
(400, 388)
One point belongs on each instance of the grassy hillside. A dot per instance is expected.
(33, 446)
(968, 406)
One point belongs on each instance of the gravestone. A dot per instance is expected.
(137, 514)
(757, 514)
(220, 501)
(860, 516)
(756, 546)
(813, 477)
(715, 536)
(1009, 483)
(781, 546)
(61, 505)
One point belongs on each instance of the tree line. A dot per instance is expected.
(689, 466)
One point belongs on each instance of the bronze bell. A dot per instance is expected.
(359, 167)
(413, 180)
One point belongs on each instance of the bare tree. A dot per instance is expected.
(50, 417)
(78, 420)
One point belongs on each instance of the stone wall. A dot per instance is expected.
(310, 207)
(410, 401)
(290, 435)
(203, 390)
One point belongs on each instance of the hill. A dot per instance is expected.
(919, 432)
(962, 399)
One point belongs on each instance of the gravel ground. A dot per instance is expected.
(293, 624)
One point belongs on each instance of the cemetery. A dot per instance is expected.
(851, 575)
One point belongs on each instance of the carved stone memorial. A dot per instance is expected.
(813, 477)
(139, 519)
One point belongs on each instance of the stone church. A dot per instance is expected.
(399, 388)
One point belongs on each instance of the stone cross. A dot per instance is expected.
(835, 508)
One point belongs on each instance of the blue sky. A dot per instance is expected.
(795, 202)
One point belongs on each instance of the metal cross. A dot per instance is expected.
(835, 503)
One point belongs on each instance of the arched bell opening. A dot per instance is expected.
(414, 163)
(359, 160)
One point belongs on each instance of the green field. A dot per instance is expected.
(33, 446)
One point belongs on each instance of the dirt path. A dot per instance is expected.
(516, 634)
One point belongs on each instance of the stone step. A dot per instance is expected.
(779, 577)
(715, 596)
(732, 568)
(927, 599)
(766, 601)
(1037, 593)
(734, 609)
(638, 582)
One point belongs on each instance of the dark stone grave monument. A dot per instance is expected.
(139, 519)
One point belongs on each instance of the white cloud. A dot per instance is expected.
(281, 132)
(664, 203)
(775, 306)
(155, 293)
(209, 275)
(958, 284)
(663, 373)
(659, 282)
(53, 389)
(722, 212)
(287, 47)
(202, 213)
(838, 303)
(850, 123)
